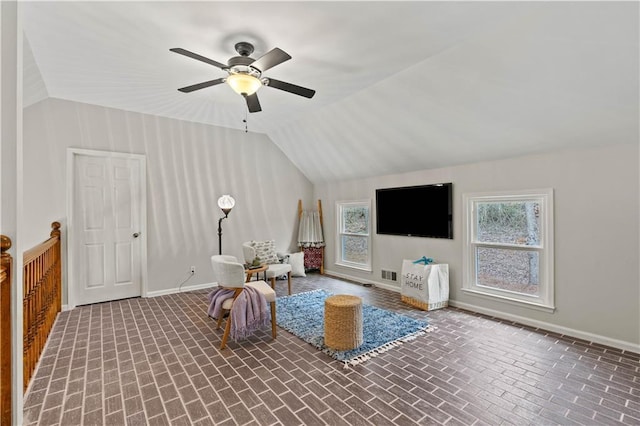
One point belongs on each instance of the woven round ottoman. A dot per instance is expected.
(343, 322)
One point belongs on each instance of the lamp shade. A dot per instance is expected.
(244, 84)
(226, 203)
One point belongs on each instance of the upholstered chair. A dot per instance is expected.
(276, 269)
(230, 274)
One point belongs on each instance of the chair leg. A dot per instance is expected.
(273, 319)
(273, 283)
(222, 312)
(289, 281)
(227, 330)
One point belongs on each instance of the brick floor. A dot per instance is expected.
(156, 361)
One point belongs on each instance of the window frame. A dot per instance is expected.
(545, 300)
(340, 205)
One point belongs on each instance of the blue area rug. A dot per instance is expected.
(303, 315)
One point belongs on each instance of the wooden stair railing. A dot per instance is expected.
(6, 264)
(42, 298)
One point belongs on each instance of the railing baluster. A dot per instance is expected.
(42, 298)
(6, 271)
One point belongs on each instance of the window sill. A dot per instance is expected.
(511, 300)
(353, 266)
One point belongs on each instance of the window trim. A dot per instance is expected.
(339, 208)
(545, 301)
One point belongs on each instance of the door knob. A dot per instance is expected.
(136, 235)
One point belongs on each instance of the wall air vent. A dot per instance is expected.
(389, 275)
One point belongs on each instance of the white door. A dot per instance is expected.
(107, 223)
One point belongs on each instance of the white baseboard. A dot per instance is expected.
(388, 287)
(595, 338)
(180, 290)
(165, 292)
(570, 332)
(363, 281)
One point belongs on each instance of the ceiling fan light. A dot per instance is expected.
(244, 84)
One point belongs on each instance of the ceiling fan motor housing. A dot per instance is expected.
(242, 65)
(244, 48)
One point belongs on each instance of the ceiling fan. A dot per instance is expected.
(245, 74)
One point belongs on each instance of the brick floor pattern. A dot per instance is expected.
(155, 361)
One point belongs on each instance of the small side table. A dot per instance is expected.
(343, 322)
(262, 268)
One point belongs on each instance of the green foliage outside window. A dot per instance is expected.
(356, 220)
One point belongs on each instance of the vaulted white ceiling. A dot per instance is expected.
(401, 86)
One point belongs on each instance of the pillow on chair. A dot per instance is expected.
(266, 251)
(296, 260)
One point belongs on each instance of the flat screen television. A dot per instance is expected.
(415, 211)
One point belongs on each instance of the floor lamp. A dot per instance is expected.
(226, 203)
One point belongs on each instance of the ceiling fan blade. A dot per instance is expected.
(198, 57)
(291, 88)
(201, 85)
(253, 103)
(270, 59)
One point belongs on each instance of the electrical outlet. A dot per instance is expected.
(193, 270)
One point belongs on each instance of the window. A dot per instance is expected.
(354, 234)
(509, 247)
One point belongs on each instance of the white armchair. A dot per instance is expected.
(275, 269)
(230, 274)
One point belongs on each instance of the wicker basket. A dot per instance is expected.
(343, 322)
(425, 306)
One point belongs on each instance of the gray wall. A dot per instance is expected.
(189, 166)
(597, 283)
